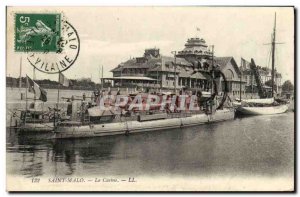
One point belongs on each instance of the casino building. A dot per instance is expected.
(153, 70)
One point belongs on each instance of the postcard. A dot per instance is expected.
(143, 99)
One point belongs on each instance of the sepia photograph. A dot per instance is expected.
(150, 99)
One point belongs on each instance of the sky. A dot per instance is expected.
(111, 35)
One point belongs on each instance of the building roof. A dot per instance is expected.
(195, 46)
(132, 78)
(132, 63)
(223, 61)
(190, 73)
(167, 64)
(184, 72)
(198, 75)
(162, 63)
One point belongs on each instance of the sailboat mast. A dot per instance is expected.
(34, 98)
(212, 79)
(273, 55)
(20, 77)
(58, 87)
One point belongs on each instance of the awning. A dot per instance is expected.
(95, 111)
(267, 87)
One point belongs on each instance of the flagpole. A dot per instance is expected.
(58, 91)
(26, 100)
(55, 111)
(241, 81)
(20, 78)
(251, 83)
(99, 75)
(34, 98)
(26, 92)
(102, 78)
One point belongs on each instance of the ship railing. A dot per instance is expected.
(184, 114)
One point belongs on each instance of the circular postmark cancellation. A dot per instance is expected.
(52, 45)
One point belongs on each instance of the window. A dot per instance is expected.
(229, 74)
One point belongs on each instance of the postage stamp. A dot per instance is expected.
(49, 41)
(37, 32)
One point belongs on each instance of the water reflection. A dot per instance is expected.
(254, 145)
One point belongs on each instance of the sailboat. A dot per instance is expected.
(264, 106)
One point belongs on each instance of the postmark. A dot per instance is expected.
(50, 50)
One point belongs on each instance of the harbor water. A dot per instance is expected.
(256, 146)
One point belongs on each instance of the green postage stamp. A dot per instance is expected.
(37, 32)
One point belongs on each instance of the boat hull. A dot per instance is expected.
(262, 110)
(260, 101)
(37, 127)
(121, 128)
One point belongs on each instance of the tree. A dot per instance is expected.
(287, 86)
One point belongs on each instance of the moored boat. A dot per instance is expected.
(268, 110)
(34, 118)
(96, 122)
(124, 127)
(264, 105)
